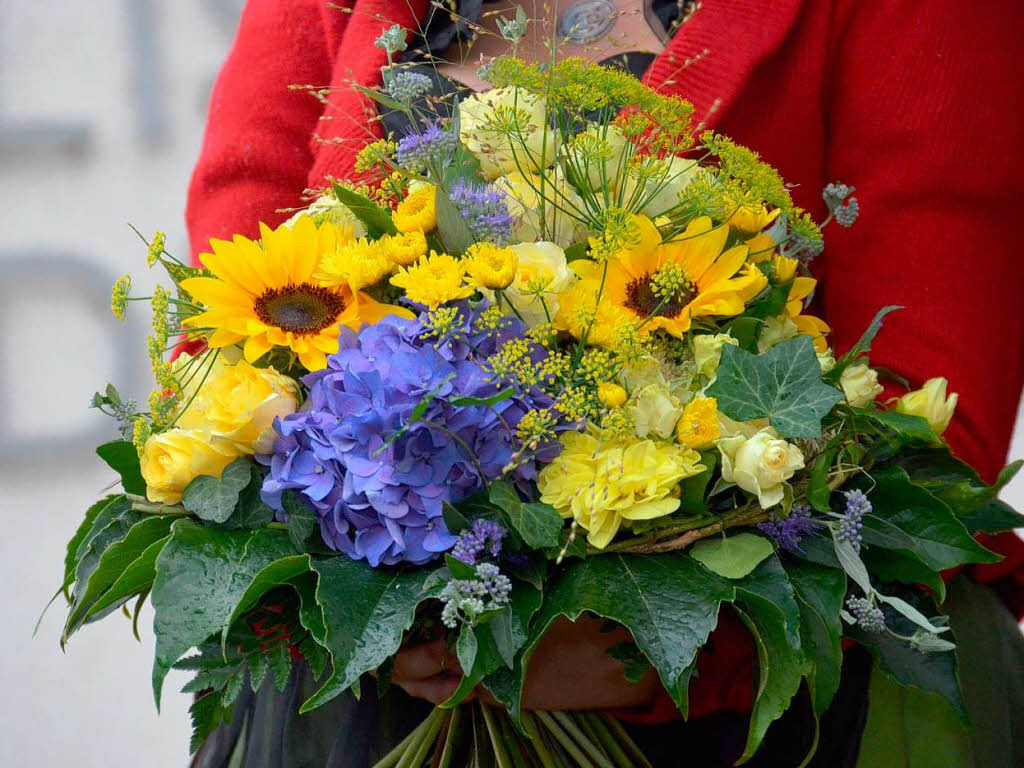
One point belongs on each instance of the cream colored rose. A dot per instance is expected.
(827, 360)
(595, 157)
(328, 208)
(238, 404)
(661, 189)
(930, 403)
(546, 217)
(775, 331)
(655, 410)
(541, 275)
(707, 352)
(860, 385)
(504, 129)
(173, 459)
(760, 464)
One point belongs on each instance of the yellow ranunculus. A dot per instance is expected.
(404, 248)
(490, 266)
(860, 385)
(604, 483)
(173, 459)
(930, 403)
(541, 275)
(418, 212)
(698, 427)
(238, 404)
(611, 394)
(505, 129)
(760, 464)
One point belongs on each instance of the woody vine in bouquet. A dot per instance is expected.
(558, 362)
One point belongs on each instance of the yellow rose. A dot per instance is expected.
(662, 185)
(525, 204)
(328, 208)
(173, 459)
(860, 385)
(522, 141)
(775, 331)
(827, 360)
(760, 464)
(238, 404)
(707, 352)
(541, 275)
(930, 403)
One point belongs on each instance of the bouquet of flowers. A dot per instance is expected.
(556, 361)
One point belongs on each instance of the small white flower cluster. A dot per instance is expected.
(465, 600)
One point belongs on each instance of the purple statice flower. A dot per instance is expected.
(376, 479)
(482, 537)
(417, 148)
(789, 531)
(851, 520)
(484, 209)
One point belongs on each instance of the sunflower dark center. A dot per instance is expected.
(642, 298)
(302, 308)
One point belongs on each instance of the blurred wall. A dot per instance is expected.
(101, 114)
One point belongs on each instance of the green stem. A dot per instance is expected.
(574, 752)
(569, 724)
(545, 757)
(391, 758)
(454, 726)
(500, 755)
(639, 759)
(420, 747)
(611, 745)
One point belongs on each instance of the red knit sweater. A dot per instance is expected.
(917, 104)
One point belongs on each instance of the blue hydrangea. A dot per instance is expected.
(377, 479)
(484, 209)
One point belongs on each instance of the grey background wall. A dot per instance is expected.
(101, 113)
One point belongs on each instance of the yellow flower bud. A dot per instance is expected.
(611, 394)
(860, 385)
(930, 403)
(173, 459)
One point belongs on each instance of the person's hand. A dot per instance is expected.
(569, 670)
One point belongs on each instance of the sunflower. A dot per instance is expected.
(807, 325)
(264, 294)
(666, 285)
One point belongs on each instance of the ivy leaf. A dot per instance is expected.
(820, 593)
(538, 524)
(251, 511)
(377, 220)
(935, 534)
(213, 499)
(122, 457)
(363, 613)
(667, 601)
(733, 556)
(200, 576)
(769, 582)
(783, 385)
(302, 520)
(136, 579)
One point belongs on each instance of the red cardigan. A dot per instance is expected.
(916, 104)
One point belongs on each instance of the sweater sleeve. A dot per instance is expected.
(256, 151)
(937, 171)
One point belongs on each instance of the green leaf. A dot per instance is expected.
(510, 627)
(734, 556)
(577, 250)
(453, 229)
(377, 220)
(302, 519)
(122, 457)
(993, 516)
(769, 582)
(904, 567)
(251, 512)
(485, 659)
(863, 345)
(505, 394)
(820, 593)
(907, 728)
(783, 385)
(200, 576)
(364, 612)
(908, 430)
(936, 535)
(463, 164)
(692, 499)
(214, 498)
(113, 560)
(538, 524)
(136, 579)
(667, 601)
(818, 490)
(771, 303)
(71, 555)
(276, 574)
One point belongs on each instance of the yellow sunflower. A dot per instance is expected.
(808, 325)
(264, 294)
(666, 285)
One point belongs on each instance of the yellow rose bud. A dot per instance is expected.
(611, 394)
(173, 459)
(238, 404)
(860, 385)
(760, 464)
(930, 403)
(698, 427)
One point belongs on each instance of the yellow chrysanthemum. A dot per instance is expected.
(665, 285)
(604, 483)
(698, 426)
(404, 248)
(418, 212)
(264, 293)
(434, 280)
(357, 264)
(808, 325)
(611, 394)
(490, 266)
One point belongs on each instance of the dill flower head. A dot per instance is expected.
(490, 266)
(119, 296)
(604, 483)
(434, 280)
(418, 212)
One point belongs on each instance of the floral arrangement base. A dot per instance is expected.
(481, 736)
